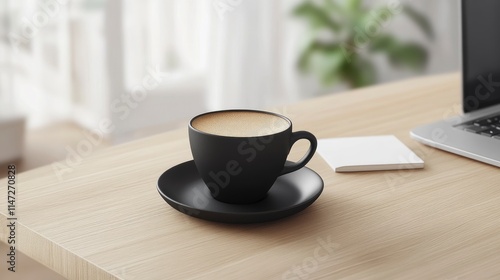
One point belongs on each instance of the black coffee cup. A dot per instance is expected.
(239, 154)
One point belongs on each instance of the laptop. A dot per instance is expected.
(476, 133)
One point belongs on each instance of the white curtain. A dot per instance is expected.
(247, 49)
(253, 45)
(244, 66)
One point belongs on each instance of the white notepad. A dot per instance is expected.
(368, 154)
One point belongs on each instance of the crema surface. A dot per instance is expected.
(240, 123)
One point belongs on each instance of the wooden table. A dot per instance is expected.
(105, 219)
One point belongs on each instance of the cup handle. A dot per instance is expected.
(296, 136)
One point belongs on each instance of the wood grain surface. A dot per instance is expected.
(105, 219)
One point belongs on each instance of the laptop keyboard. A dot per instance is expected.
(489, 126)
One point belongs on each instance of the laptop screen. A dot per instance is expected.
(481, 53)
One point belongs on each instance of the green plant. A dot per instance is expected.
(343, 34)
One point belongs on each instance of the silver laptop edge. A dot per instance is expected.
(443, 135)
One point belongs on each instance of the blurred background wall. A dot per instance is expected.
(156, 62)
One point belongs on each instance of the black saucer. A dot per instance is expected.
(182, 188)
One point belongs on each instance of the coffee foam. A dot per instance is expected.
(240, 123)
